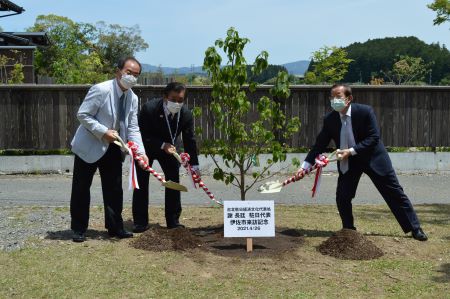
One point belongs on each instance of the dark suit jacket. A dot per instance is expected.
(154, 130)
(369, 147)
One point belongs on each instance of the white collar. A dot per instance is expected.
(349, 112)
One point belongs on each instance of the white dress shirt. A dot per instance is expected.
(306, 165)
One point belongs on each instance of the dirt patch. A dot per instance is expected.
(158, 238)
(348, 244)
(211, 239)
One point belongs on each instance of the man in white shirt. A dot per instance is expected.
(109, 109)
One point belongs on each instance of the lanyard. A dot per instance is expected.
(172, 136)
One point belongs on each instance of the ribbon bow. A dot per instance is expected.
(321, 162)
(132, 180)
(185, 158)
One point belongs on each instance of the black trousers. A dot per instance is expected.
(389, 188)
(110, 167)
(171, 169)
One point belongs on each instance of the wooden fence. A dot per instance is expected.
(44, 116)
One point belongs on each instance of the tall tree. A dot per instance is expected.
(70, 58)
(82, 52)
(442, 9)
(242, 142)
(328, 65)
(114, 41)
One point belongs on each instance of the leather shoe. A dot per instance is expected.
(121, 233)
(418, 234)
(176, 225)
(140, 228)
(78, 236)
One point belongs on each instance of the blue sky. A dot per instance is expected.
(179, 31)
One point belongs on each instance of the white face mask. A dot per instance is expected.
(338, 104)
(128, 81)
(174, 107)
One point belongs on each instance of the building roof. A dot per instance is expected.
(8, 6)
(17, 47)
(38, 39)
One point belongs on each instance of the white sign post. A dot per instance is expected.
(249, 219)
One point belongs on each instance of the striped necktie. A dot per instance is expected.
(347, 140)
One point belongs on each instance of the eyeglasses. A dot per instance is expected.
(179, 100)
(332, 98)
(136, 75)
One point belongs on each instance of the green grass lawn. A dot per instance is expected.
(108, 268)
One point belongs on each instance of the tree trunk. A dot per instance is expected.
(241, 169)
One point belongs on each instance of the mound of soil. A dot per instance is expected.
(348, 244)
(158, 238)
(211, 239)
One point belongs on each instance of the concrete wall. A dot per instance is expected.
(403, 162)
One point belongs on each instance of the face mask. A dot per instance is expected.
(338, 104)
(174, 107)
(128, 81)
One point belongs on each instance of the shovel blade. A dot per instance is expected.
(270, 187)
(175, 186)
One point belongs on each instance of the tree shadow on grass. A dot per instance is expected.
(66, 235)
(444, 275)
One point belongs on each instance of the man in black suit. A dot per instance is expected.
(161, 122)
(354, 129)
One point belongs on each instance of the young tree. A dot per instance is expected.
(242, 142)
(329, 65)
(442, 9)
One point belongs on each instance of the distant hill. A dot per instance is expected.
(376, 55)
(297, 67)
(294, 68)
(148, 68)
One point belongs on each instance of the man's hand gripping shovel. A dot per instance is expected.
(131, 150)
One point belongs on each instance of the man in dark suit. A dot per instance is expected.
(161, 122)
(354, 129)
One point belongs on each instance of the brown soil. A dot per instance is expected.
(158, 238)
(348, 244)
(211, 239)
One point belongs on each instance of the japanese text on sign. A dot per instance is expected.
(249, 219)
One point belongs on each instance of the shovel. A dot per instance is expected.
(276, 186)
(167, 184)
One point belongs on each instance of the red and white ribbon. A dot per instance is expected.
(185, 158)
(321, 162)
(132, 147)
(132, 180)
